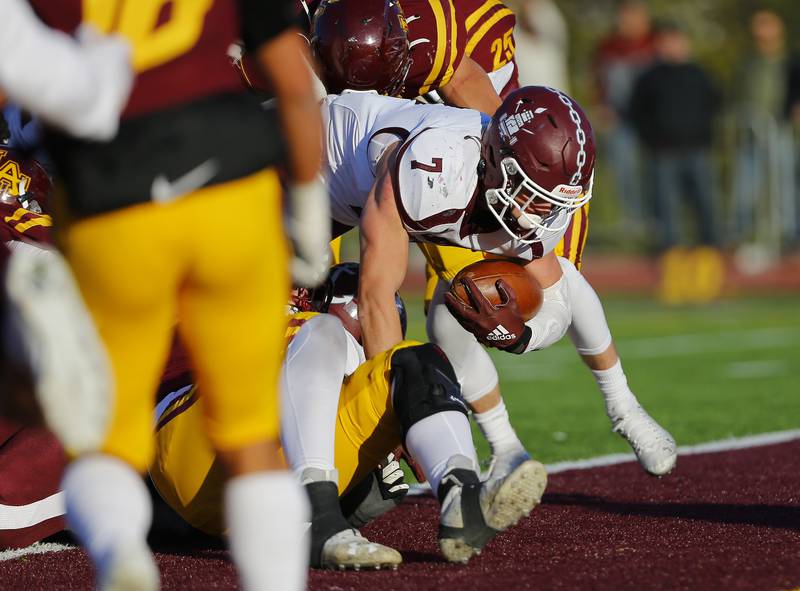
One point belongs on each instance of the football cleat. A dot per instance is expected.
(503, 463)
(654, 447)
(473, 513)
(350, 550)
(133, 569)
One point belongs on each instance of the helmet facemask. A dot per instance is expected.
(514, 203)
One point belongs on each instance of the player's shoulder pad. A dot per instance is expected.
(434, 176)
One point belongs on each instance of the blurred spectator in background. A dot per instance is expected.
(542, 40)
(673, 105)
(767, 94)
(618, 61)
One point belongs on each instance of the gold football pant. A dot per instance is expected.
(201, 260)
(189, 478)
(444, 262)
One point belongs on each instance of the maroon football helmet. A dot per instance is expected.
(24, 182)
(361, 45)
(538, 157)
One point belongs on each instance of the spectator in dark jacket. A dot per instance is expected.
(673, 107)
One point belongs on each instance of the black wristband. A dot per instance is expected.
(519, 347)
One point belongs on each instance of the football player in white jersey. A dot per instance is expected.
(450, 183)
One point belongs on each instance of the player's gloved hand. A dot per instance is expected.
(494, 326)
(109, 56)
(391, 480)
(309, 229)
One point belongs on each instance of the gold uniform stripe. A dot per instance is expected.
(40, 221)
(575, 239)
(476, 16)
(485, 27)
(17, 215)
(441, 45)
(453, 44)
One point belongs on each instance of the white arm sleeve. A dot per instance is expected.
(553, 319)
(80, 86)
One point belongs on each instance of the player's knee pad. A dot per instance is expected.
(423, 384)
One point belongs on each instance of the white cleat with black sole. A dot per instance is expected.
(473, 513)
(654, 447)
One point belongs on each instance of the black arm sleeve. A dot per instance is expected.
(264, 19)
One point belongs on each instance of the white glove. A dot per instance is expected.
(309, 228)
(108, 58)
(80, 86)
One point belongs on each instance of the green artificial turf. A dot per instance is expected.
(706, 373)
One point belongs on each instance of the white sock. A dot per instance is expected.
(614, 386)
(436, 439)
(108, 506)
(496, 427)
(267, 514)
(311, 380)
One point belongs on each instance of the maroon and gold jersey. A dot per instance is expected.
(187, 111)
(490, 32)
(438, 39)
(179, 47)
(20, 224)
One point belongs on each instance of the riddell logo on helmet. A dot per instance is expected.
(569, 191)
(512, 124)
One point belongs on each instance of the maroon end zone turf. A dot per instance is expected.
(722, 521)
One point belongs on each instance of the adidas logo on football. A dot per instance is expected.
(501, 334)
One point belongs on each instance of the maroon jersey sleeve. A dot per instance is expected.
(438, 40)
(490, 32)
(183, 57)
(20, 224)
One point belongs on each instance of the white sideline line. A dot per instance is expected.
(37, 548)
(730, 444)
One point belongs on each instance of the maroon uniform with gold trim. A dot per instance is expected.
(490, 37)
(20, 224)
(438, 40)
(203, 69)
(187, 105)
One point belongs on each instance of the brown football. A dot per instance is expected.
(486, 273)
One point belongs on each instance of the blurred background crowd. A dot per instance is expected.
(696, 104)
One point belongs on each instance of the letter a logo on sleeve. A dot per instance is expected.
(12, 180)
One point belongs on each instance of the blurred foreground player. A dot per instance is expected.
(79, 85)
(141, 231)
(52, 364)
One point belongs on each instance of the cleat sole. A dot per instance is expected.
(518, 495)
